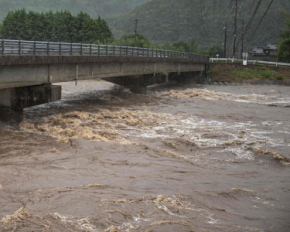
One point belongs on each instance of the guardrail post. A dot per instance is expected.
(99, 50)
(47, 49)
(152, 52)
(127, 51)
(34, 48)
(2, 45)
(137, 51)
(60, 48)
(81, 52)
(71, 49)
(19, 47)
(90, 49)
(120, 50)
(106, 49)
(113, 50)
(132, 51)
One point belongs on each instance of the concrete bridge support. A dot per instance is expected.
(138, 83)
(22, 97)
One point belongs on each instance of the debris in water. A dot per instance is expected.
(212, 95)
(283, 159)
(160, 223)
(10, 222)
(111, 229)
(95, 185)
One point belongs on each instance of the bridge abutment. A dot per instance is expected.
(22, 97)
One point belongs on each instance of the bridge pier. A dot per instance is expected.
(22, 97)
(138, 83)
(11, 116)
(198, 77)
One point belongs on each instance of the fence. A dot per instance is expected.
(22, 47)
(231, 60)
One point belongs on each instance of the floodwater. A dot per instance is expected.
(182, 157)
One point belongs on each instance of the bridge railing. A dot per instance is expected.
(22, 47)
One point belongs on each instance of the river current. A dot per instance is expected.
(183, 157)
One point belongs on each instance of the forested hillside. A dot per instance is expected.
(92, 7)
(168, 21)
(60, 26)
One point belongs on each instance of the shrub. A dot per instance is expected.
(279, 77)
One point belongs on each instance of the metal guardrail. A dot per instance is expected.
(22, 47)
(231, 60)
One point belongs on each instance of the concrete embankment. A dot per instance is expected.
(235, 73)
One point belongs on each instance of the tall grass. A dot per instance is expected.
(260, 73)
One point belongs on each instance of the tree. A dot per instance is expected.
(129, 40)
(284, 51)
(284, 47)
(60, 26)
(180, 46)
(193, 45)
(216, 49)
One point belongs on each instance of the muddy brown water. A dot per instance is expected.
(180, 158)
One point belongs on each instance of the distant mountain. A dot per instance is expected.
(104, 8)
(168, 21)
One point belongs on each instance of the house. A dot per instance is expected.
(268, 53)
(271, 49)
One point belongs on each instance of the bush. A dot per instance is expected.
(279, 77)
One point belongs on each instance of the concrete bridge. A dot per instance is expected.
(29, 68)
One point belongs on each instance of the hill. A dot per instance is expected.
(108, 8)
(168, 21)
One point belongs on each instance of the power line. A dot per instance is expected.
(250, 22)
(260, 22)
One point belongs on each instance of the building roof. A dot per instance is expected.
(272, 46)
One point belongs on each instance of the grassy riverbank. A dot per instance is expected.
(252, 73)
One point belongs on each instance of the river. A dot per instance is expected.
(183, 157)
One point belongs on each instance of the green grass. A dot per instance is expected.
(259, 72)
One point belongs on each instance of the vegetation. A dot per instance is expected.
(94, 8)
(129, 40)
(258, 73)
(190, 46)
(169, 21)
(284, 47)
(60, 26)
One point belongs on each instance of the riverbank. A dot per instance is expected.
(252, 74)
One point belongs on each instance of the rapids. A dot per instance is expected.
(182, 157)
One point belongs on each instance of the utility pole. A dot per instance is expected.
(243, 37)
(225, 43)
(235, 30)
(136, 32)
